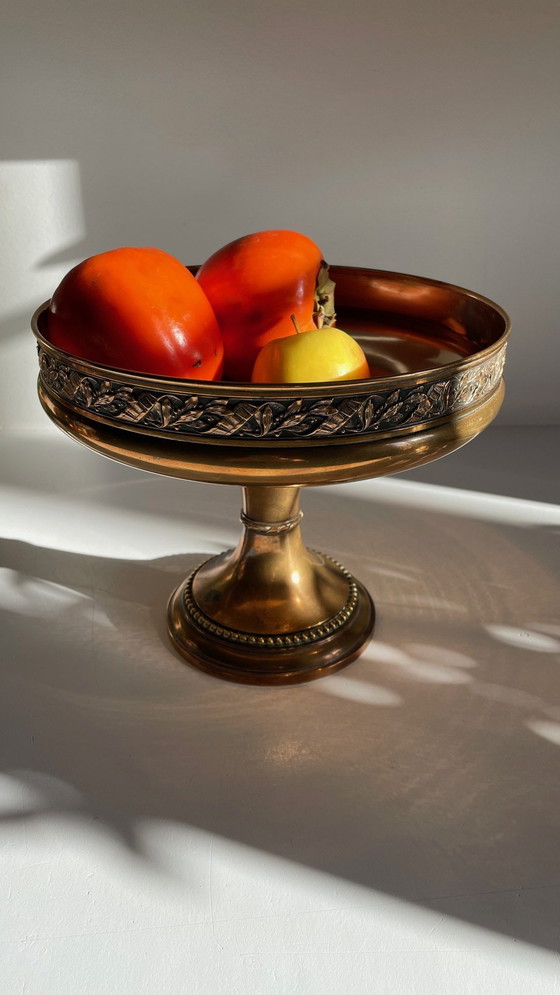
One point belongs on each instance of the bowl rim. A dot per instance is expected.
(231, 389)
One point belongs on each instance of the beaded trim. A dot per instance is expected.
(273, 640)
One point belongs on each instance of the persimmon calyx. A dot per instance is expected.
(324, 312)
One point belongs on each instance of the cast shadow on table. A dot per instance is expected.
(426, 770)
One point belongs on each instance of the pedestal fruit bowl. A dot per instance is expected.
(272, 611)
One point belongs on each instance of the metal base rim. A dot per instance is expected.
(271, 666)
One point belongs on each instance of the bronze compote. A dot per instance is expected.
(272, 611)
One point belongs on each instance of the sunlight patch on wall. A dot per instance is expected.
(42, 214)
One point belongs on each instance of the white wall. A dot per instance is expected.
(415, 136)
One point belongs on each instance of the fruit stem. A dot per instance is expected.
(295, 324)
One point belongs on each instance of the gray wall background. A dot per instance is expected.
(414, 136)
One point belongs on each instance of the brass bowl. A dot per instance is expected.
(271, 611)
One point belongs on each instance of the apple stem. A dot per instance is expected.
(295, 324)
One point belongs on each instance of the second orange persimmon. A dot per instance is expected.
(254, 285)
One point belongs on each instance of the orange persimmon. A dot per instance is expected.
(137, 309)
(254, 285)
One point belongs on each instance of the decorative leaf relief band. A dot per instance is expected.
(292, 417)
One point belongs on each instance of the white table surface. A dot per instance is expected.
(393, 828)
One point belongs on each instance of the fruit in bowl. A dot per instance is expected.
(137, 309)
(313, 356)
(142, 310)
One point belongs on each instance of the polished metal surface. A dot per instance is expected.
(320, 464)
(279, 612)
(271, 611)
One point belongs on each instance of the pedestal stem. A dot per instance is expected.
(270, 611)
(271, 554)
(272, 506)
(270, 583)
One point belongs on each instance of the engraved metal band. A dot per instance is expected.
(271, 528)
(177, 413)
(275, 640)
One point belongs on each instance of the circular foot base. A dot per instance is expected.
(254, 658)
